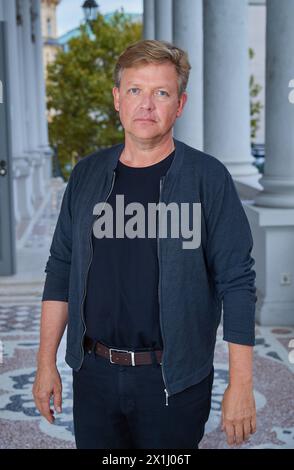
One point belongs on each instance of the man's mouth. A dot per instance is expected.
(145, 119)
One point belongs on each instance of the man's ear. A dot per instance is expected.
(182, 101)
(115, 93)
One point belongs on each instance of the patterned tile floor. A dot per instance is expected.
(22, 427)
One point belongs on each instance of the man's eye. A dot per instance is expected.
(133, 91)
(162, 93)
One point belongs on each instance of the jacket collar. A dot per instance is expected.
(173, 169)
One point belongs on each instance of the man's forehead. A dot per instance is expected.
(145, 68)
(138, 82)
(160, 77)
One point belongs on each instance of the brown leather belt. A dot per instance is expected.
(122, 356)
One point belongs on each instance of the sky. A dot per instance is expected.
(70, 12)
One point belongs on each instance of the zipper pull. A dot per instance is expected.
(166, 397)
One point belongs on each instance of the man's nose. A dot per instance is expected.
(147, 101)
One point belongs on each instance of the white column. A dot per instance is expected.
(23, 207)
(30, 78)
(272, 216)
(278, 178)
(148, 19)
(226, 87)
(1, 11)
(31, 101)
(188, 35)
(22, 181)
(163, 20)
(14, 78)
(20, 57)
(41, 95)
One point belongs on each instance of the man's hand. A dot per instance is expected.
(47, 383)
(238, 413)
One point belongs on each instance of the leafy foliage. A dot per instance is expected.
(79, 89)
(255, 105)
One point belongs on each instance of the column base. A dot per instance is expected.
(22, 178)
(242, 169)
(245, 175)
(273, 234)
(36, 162)
(278, 192)
(273, 313)
(248, 187)
(47, 154)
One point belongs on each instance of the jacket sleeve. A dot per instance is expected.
(59, 261)
(229, 245)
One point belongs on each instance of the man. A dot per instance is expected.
(142, 311)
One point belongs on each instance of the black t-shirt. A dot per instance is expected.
(121, 305)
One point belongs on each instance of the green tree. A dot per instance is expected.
(79, 83)
(255, 105)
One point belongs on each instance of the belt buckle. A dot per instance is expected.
(122, 350)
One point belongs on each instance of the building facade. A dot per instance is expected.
(49, 30)
(30, 153)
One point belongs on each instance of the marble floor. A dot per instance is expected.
(21, 426)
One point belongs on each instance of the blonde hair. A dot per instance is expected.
(154, 52)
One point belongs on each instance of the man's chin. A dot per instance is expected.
(146, 134)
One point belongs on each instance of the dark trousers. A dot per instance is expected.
(124, 407)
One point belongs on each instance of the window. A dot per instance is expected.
(49, 27)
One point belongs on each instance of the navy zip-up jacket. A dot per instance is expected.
(194, 284)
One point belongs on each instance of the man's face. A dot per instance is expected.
(148, 100)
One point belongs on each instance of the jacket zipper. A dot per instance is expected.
(91, 257)
(163, 376)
